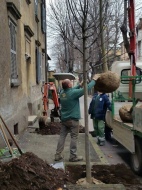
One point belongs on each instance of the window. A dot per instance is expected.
(127, 72)
(36, 7)
(43, 17)
(14, 74)
(43, 67)
(139, 49)
(28, 34)
(13, 15)
(38, 66)
(36, 10)
(27, 46)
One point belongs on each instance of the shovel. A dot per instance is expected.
(11, 136)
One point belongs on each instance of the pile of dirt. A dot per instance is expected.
(108, 82)
(30, 172)
(53, 128)
(124, 113)
(108, 174)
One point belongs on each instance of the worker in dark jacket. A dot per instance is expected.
(70, 115)
(98, 107)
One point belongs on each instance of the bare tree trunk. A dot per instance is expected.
(105, 67)
(123, 29)
(87, 146)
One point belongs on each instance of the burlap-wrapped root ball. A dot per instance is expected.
(108, 82)
(124, 113)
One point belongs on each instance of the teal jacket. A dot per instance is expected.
(69, 99)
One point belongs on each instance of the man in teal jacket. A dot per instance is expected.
(70, 115)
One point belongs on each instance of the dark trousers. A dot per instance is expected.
(72, 127)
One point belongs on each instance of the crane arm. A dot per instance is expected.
(132, 34)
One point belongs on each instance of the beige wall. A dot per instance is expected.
(17, 103)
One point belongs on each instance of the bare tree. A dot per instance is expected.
(71, 27)
(78, 23)
(81, 26)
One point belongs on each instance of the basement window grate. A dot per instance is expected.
(16, 132)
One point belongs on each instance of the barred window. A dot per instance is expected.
(14, 74)
(36, 7)
(43, 17)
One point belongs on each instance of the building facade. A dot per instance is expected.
(22, 60)
(139, 40)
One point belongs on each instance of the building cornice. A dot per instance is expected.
(28, 2)
(13, 10)
(28, 30)
(43, 50)
(38, 43)
(36, 18)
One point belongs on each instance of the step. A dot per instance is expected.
(32, 119)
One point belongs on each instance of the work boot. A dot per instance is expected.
(76, 159)
(98, 140)
(58, 157)
(101, 141)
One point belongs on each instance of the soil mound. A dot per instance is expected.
(53, 128)
(28, 172)
(108, 82)
(124, 113)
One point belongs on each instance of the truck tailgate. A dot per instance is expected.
(123, 133)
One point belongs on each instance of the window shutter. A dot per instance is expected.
(40, 66)
(13, 66)
(43, 18)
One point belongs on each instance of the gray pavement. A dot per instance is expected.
(44, 146)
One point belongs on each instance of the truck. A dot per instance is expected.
(129, 134)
